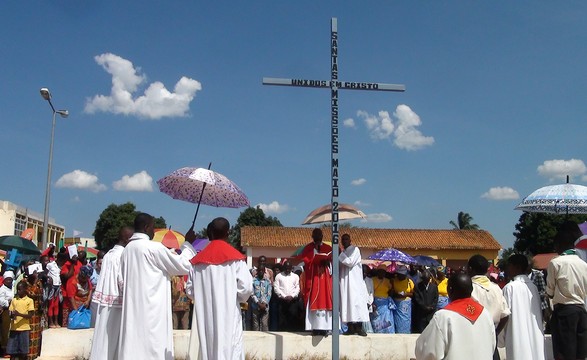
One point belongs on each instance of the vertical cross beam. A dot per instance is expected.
(334, 185)
(335, 85)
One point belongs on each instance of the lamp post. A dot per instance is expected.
(46, 94)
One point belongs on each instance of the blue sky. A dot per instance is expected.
(494, 107)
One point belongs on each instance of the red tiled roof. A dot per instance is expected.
(541, 260)
(274, 236)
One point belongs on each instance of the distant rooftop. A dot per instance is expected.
(274, 236)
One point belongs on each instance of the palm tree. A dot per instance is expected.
(464, 222)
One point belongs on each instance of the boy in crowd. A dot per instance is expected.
(21, 310)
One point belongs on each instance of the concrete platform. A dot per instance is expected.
(64, 344)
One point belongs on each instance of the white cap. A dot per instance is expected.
(8, 274)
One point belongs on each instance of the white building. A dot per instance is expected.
(14, 219)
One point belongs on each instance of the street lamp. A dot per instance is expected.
(46, 94)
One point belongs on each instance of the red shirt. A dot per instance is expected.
(64, 270)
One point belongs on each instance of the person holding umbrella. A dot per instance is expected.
(566, 285)
(146, 267)
(403, 290)
(354, 310)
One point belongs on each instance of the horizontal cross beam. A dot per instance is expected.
(347, 85)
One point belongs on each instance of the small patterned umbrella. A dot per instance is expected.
(202, 186)
(392, 254)
(557, 199)
(170, 238)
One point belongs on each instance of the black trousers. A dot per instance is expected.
(569, 331)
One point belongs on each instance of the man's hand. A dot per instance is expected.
(190, 236)
(262, 306)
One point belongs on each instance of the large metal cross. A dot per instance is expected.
(334, 84)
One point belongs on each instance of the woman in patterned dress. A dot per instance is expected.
(35, 292)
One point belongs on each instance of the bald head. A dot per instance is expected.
(145, 223)
(124, 235)
(566, 235)
(460, 286)
(219, 228)
(317, 235)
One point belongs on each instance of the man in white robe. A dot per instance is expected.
(146, 330)
(353, 307)
(524, 334)
(221, 281)
(488, 294)
(462, 330)
(108, 299)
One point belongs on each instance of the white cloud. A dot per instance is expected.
(378, 218)
(156, 102)
(501, 193)
(79, 179)
(559, 169)
(350, 122)
(359, 182)
(403, 129)
(76, 199)
(274, 208)
(380, 127)
(141, 181)
(360, 203)
(407, 137)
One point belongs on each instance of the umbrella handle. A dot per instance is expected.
(201, 194)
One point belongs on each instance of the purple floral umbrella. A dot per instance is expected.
(392, 254)
(202, 186)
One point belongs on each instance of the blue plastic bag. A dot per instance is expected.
(79, 319)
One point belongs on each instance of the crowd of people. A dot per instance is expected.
(140, 291)
(40, 294)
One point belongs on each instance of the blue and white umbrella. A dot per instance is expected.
(392, 254)
(556, 199)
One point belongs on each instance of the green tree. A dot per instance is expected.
(112, 219)
(464, 222)
(535, 231)
(251, 216)
(202, 234)
(159, 223)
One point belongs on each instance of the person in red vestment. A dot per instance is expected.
(317, 289)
